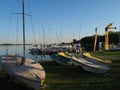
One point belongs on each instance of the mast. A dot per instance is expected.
(23, 59)
(43, 37)
(95, 39)
(79, 32)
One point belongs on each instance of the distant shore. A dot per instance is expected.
(5, 44)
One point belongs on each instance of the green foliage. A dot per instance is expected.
(88, 42)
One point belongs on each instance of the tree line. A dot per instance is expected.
(88, 42)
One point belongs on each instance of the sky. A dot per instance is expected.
(56, 20)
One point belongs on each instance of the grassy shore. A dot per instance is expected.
(68, 78)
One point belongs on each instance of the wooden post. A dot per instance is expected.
(95, 39)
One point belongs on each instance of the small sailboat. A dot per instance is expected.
(31, 73)
(26, 70)
(89, 65)
(88, 55)
(61, 58)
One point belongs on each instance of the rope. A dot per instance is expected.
(7, 38)
(31, 20)
(17, 35)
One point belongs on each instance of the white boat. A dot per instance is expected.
(26, 70)
(89, 65)
(31, 73)
(35, 50)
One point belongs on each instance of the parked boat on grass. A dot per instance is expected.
(88, 55)
(61, 58)
(83, 63)
(89, 65)
(31, 73)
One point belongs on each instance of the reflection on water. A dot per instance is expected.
(12, 49)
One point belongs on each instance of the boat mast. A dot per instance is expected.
(95, 40)
(23, 59)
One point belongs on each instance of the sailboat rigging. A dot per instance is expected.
(25, 69)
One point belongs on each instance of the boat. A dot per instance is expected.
(31, 73)
(89, 65)
(61, 58)
(88, 55)
(28, 71)
(35, 50)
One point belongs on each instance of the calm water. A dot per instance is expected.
(19, 50)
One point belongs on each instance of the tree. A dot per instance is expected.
(88, 42)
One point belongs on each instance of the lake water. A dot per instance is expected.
(12, 49)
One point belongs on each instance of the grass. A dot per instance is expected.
(117, 53)
(68, 78)
(11, 83)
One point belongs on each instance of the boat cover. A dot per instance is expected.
(64, 55)
(86, 54)
(32, 70)
(90, 63)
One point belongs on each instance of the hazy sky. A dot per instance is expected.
(62, 20)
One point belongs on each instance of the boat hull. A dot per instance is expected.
(31, 73)
(36, 85)
(61, 60)
(90, 66)
(88, 55)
